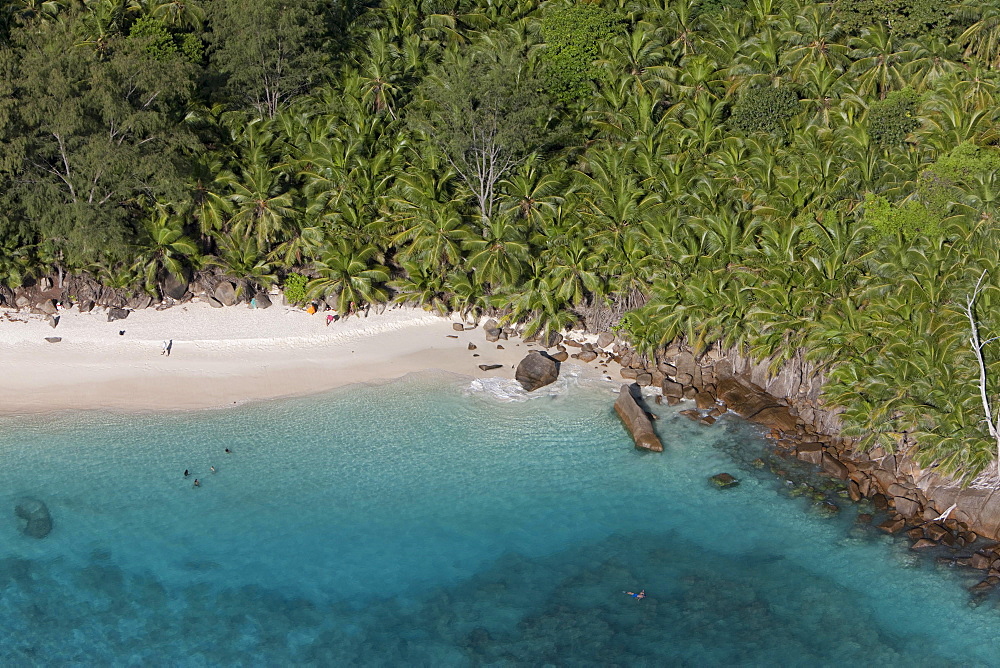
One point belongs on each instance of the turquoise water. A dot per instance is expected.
(431, 523)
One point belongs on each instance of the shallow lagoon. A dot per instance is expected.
(435, 522)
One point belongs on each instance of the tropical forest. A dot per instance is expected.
(768, 175)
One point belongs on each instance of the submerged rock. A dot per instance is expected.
(536, 370)
(36, 514)
(723, 480)
(827, 508)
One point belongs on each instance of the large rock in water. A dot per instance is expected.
(636, 421)
(34, 512)
(536, 370)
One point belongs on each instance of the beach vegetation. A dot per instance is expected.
(294, 288)
(776, 177)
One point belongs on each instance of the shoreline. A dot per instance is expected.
(230, 356)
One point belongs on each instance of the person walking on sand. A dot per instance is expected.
(167, 345)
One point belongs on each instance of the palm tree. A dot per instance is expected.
(434, 237)
(499, 257)
(422, 284)
(163, 247)
(537, 303)
(351, 274)
(242, 258)
(982, 38)
(879, 62)
(262, 204)
(177, 13)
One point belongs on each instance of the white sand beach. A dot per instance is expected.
(221, 357)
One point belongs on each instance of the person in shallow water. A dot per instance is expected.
(196, 483)
(186, 473)
(640, 595)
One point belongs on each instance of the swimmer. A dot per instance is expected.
(186, 473)
(228, 451)
(641, 595)
(196, 483)
(212, 469)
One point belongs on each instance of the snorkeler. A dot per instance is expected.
(641, 595)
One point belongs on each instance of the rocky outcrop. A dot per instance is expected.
(140, 302)
(174, 287)
(492, 330)
(636, 421)
(38, 522)
(536, 370)
(262, 300)
(117, 314)
(225, 293)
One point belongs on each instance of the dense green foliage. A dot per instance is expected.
(573, 36)
(773, 175)
(891, 119)
(903, 17)
(764, 109)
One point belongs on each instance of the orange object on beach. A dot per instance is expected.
(311, 309)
